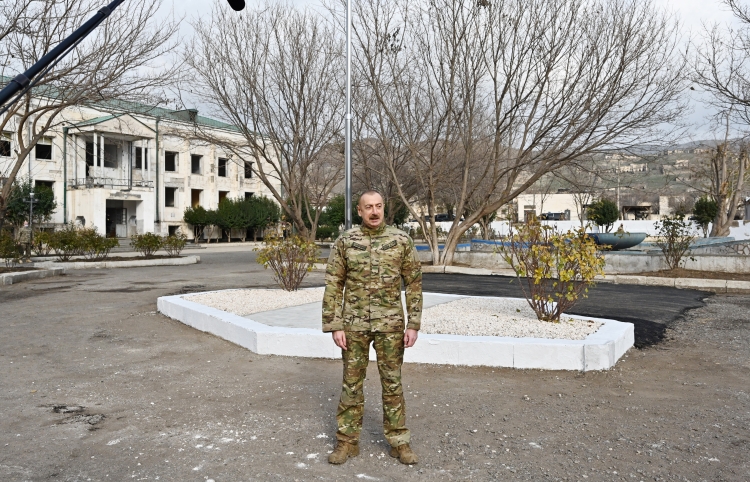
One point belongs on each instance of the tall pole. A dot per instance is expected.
(348, 125)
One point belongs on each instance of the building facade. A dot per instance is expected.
(134, 169)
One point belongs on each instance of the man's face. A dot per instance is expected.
(370, 209)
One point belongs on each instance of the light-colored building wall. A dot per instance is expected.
(114, 186)
(547, 203)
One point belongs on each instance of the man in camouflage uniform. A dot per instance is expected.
(24, 239)
(362, 305)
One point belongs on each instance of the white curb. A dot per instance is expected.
(599, 351)
(11, 278)
(136, 263)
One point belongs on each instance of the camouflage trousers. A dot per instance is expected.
(389, 348)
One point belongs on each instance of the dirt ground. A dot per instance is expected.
(97, 386)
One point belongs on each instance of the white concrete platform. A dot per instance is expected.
(295, 331)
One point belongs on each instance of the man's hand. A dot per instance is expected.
(410, 338)
(339, 338)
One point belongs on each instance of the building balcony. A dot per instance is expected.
(109, 183)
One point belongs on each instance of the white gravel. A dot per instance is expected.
(246, 302)
(508, 317)
(511, 317)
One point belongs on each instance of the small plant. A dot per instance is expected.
(558, 268)
(10, 251)
(94, 245)
(674, 238)
(66, 243)
(704, 212)
(290, 259)
(604, 213)
(174, 244)
(40, 245)
(146, 244)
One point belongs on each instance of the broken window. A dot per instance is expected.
(223, 167)
(170, 161)
(141, 158)
(195, 164)
(195, 197)
(169, 196)
(43, 149)
(5, 145)
(110, 155)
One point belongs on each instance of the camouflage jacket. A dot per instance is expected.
(363, 281)
(24, 235)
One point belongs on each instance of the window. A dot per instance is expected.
(195, 164)
(248, 195)
(141, 158)
(195, 197)
(223, 195)
(5, 146)
(169, 196)
(110, 155)
(46, 184)
(170, 161)
(223, 167)
(248, 169)
(43, 149)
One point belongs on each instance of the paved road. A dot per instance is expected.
(95, 385)
(650, 308)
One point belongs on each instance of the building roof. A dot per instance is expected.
(126, 106)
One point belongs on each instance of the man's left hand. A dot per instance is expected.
(410, 338)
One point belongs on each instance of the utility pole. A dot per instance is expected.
(619, 211)
(31, 201)
(348, 120)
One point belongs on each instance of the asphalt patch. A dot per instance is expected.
(651, 309)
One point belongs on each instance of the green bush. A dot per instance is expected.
(290, 259)
(558, 267)
(174, 244)
(10, 251)
(94, 245)
(704, 212)
(146, 244)
(674, 237)
(66, 243)
(197, 217)
(326, 232)
(40, 244)
(604, 213)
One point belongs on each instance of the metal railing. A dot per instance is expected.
(108, 182)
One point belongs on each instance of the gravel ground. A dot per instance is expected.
(511, 317)
(247, 302)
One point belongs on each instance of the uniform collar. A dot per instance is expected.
(373, 232)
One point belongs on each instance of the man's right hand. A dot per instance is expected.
(339, 338)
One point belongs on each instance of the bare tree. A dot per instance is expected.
(118, 61)
(491, 96)
(274, 72)
(722, 67)
(722, 174)
(585, 183)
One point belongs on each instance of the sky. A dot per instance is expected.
(693, 14)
